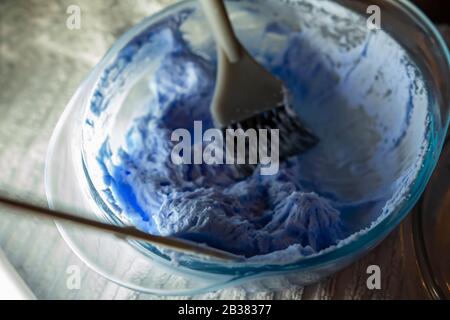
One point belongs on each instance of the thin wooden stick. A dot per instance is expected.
(176, 244)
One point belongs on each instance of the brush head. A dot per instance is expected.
(247, 96)
(294, 137)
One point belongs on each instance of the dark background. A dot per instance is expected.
(437, 10)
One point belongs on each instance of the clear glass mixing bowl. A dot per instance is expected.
(100, 109)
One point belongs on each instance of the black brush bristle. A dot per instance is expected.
(294, 137)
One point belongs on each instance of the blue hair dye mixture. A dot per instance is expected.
(356, 89)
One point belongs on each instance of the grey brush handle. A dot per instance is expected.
(121, 232)
(218, 19)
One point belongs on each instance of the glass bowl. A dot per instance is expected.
(110, 99)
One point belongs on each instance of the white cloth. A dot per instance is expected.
(12, 287)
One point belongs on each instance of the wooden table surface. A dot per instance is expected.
(41, 65)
